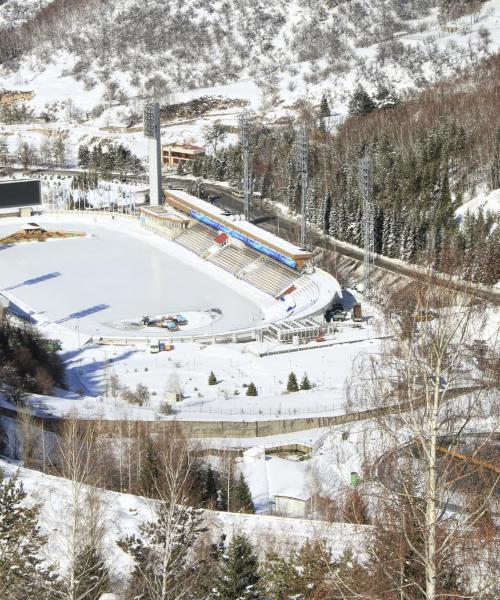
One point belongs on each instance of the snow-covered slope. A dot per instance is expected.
(487, 201)
(15, 12)
(289, 49)
(122, 514)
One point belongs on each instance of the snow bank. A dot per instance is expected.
(487, 201)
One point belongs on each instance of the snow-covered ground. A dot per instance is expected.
(187, 367)
(123, 513)
(295, 81)
(487, 201)
(109, 276)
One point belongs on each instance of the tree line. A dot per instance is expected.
(28, 363)
(428, 158)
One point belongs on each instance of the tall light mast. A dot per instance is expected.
(366, 188)
(244, 129)
(152, 132)
(303, 157)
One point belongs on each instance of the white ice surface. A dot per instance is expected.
(109, 276)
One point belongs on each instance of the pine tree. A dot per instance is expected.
(361, 102)
(495, 163)
(292, 385)
(91, 574)
(252, 390)
(324, 108)
(241, 498)
(314, 564)
(386, 98)
(161, 552)
(210, 493)
(305, 384)
(22, 571)
(4, 150)
(281, 579)
(212, 379)
(149, 469)
(238, 572)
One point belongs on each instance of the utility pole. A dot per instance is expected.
(244, 128)
(152, 132)
(366, 188)
(303, 156)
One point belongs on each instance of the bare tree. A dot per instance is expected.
(431, 389)
(77, 460)
(163, 555)
(214, 133)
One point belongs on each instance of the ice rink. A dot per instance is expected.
(94, 282)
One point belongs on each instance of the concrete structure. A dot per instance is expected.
(291, 506)
(163, 221)
(152, 132)
(252, 236)
(173, 154)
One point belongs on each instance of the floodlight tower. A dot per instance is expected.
(366, 188)
(303, 156)
(244, 128)
(152, 132)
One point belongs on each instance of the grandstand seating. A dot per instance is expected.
(270, 277)
(234, 259)
(249, 265)
(197, 238)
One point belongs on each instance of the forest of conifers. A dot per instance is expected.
(430, 154)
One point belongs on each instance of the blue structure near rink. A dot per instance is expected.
(289, 262)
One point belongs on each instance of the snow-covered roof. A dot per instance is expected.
(237, 222)
(161, 212)
(186, 148)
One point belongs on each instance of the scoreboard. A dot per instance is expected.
(18, 193)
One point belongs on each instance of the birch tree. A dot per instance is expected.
(435, 387)
(77, 460)
(163, 553)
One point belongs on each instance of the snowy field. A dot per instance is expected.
(93, 283)
(123, 513)
(186, 369)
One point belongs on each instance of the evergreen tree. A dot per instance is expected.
(292, 385)
(22, 572)
(324, 112)
(210, 492)
(305, 384)
(91, 574)
(495, 163)
(149, 469)
(238, 573)
(361, 102)
(161, 552)
(4, 150)
(212, 379)
(241, 498)
(251, 390)
(324, 108)
(281, 579)
(386, 98)
(314, 563)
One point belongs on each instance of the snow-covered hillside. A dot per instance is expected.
(289, 49)
(15, 12)
(487, 202)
